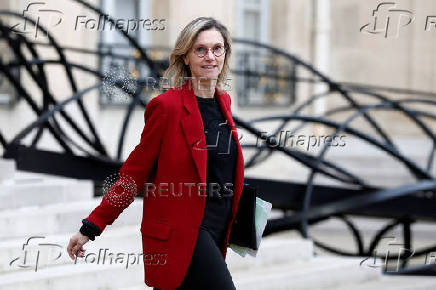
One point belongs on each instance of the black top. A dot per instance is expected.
(221, 163)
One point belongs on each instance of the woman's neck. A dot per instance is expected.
(204, 88)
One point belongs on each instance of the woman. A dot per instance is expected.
(189, 165)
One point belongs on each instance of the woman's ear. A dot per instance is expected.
(185, 59)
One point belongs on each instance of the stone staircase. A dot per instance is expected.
(39, 213)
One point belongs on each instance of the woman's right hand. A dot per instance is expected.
(75, 247)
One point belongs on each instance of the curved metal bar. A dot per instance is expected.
(85, 69)
(431, 158)
(416, 170)
(407, 239)
(333, 86)
(308, 194)
(415, 112)
(348, 204)
(144, 55)
(308, 102)
(63, 60)
(356, 234)
(377, 238)
(33, 105)
(131, 40)
(385, 108)
(428, 270)
(101, 53)
(127, 116)
(349, 85)
(355, 86)
(406, 112)
(299, 157)
(310, 159)
(251, 161)
(332, 249)
(3, 141)
(118, 83)
(46, 115)
(424, 251)
(43, 80)
(341, 252)
(96, 73)
(40, 80)
(349, 108)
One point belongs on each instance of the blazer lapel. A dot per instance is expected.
(193, 130)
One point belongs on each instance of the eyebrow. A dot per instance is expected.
(202, 44)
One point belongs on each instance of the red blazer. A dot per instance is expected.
(171, 155)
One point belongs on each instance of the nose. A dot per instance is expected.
(209, 54)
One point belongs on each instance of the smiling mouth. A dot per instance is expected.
(209, 66)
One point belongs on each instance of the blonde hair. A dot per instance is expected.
(178, 70)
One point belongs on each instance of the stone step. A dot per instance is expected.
(137, 287)
(118, 239)
(127, 239)
(368, 224)
(33, 190)
(57, 218)
(7, 169)
(319, 273)
(272, 251)
(396, 283)
(75, 276)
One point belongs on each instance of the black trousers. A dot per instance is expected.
(208, 269)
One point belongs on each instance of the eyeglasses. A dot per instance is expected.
(202, 50)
